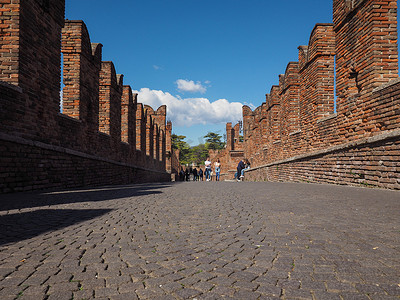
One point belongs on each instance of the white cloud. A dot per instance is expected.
(155, 67)
(190, 86)
(192, 111)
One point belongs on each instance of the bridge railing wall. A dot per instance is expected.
(358, 52)
(100, 130)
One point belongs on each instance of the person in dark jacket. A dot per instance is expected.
(239, 169)
(187, 173)
(182, 175)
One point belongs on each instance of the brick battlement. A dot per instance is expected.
(297, 134)
(103, 134)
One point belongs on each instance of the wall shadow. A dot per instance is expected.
(21, 226)
(92, 194)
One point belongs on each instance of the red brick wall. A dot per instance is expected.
(20, 65)
(128, 116)
(299, 115)
(81, 75)
(95, 138)
(366, 57)
(367, 163)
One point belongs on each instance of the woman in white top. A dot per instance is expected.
(207, 171)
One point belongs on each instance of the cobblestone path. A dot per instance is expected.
(201, 240)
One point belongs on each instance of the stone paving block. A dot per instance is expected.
(150, 293)
(60, 295)
(203, 287)
(92, 283)
(127, 296)
(13, 291)
(129, 287)
(187, 293)
(324, 295)
(369, 288)
(105, 292)
(245, 285)
(11, 281)
(83, 294)
(224, 291)
(297, 294)
(269, 290)
(171, 287)
(354, 296)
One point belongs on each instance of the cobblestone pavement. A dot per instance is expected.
(201, 240)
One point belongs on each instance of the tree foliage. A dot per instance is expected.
(213, 141)
(183, 147)
(196, 154)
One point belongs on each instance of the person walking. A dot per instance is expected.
(182, 175)
(201, 174)
(217, 168)
(207, 171)
(187, 174)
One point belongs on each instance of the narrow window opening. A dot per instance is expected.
(62, 85)
(334, 86)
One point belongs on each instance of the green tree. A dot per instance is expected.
(184, 148)
(198, 154)
(213, 141)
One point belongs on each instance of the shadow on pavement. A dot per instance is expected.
(21, 226)
(93, 194)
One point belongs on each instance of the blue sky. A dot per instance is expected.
(204, 59)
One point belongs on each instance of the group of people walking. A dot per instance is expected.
(199, 175)
(194, 174)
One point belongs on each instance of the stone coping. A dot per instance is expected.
(386, 85)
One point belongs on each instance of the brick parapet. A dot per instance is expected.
(30, 94)
(111, 86)
(289, 100)
(317, 85)
(366, 57)
(229, 137)
(128, 116)
(18, 51)
(363, 39)
(141, 128)
(342, 164)
(63, 168)
(81, 67)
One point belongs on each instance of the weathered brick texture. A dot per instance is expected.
(297, 135)
(100, 134)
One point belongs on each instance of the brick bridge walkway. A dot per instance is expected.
(203, 240)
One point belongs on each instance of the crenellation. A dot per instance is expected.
(110, 94)
(359, 53)
(128, 116)
(101, 125)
